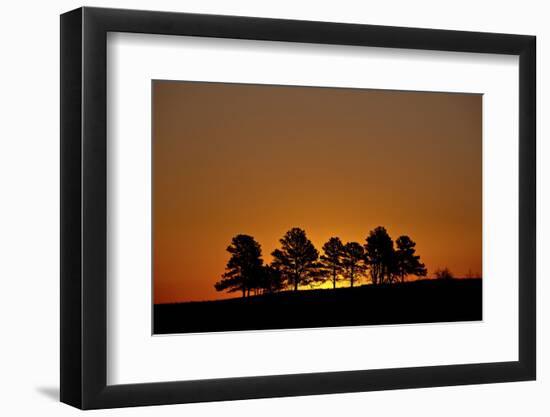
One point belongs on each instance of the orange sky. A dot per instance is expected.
(259, 160)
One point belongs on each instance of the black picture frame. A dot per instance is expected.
(84, 207)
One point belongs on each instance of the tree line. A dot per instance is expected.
(298, 263)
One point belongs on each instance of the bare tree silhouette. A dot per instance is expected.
(244, 267)
(444, 273)
(331, 260)
(297, 258)
(406, 261)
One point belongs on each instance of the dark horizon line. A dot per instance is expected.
(322, 289)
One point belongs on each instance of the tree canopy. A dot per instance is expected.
(406, 260)
(353, 256)
(379, 255)
(271, 279)
(331, 260)
(297, 258)
(297, 263)
(244, 268)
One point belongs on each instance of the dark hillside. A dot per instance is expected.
(411, 302)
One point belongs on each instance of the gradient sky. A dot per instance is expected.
(259, 160)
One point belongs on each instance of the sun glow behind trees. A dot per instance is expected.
(297, 264)
(258, 160)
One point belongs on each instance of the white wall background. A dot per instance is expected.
(29, 212)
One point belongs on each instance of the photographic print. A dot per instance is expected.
(285, 207)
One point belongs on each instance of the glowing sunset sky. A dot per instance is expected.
(259, 160)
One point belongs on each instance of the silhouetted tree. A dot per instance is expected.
(244, 268)
(352, 260)
(444, 273)
(297, 258)
(406, 261)
(380, 255)
(271, 279)
(331, 260)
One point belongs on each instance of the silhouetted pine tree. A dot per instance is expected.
(331, 260)
(379, 255)
(406, 260)
(244, 268)
(297, 258)
(352, 261)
